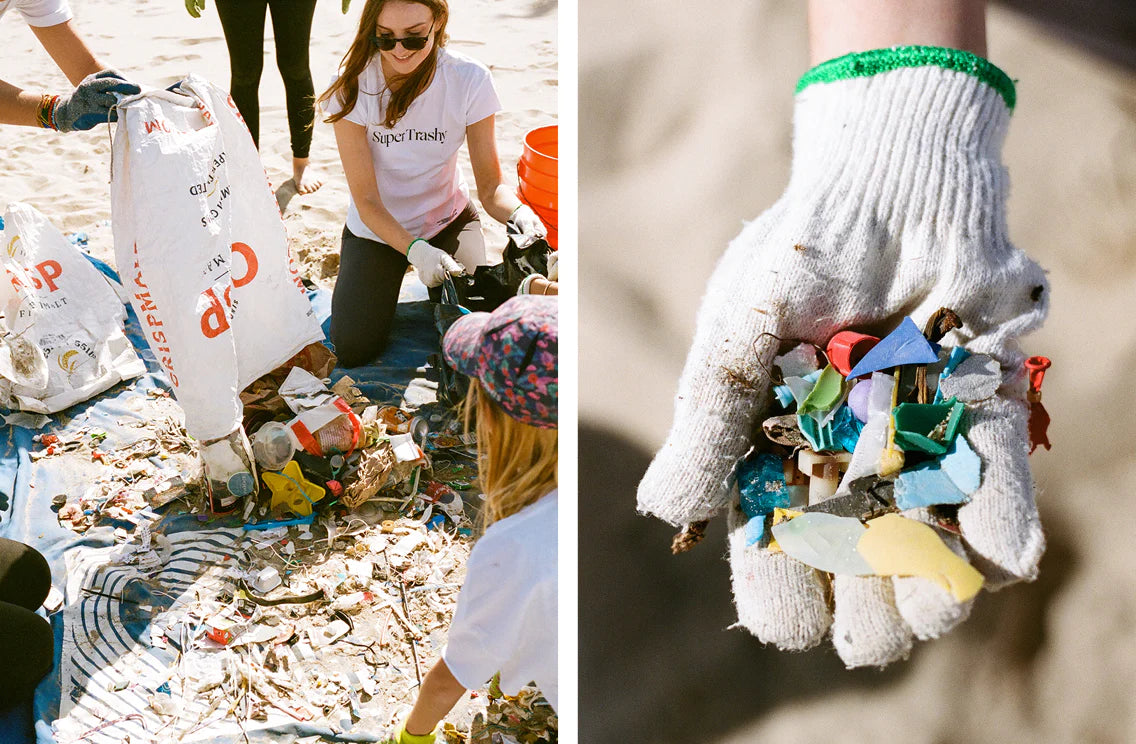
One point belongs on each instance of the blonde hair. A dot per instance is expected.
(517, 462)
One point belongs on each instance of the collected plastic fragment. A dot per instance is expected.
(896, 546)
(826, 393)
(796, 389)
(754, 530)
(799, 361)
(847, 348)
(273, 445)
(866, 497)
(948, 480)
(975, 378)
(823, 469)
(841, 430)
(761, 482)
(905, 345)
(292, 490)
(824, 541)
(858, 399)
(405, 448)
(328, 634)
(266, 579)
(779, 516)
(927, 427)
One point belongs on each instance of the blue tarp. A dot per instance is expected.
(27, 488)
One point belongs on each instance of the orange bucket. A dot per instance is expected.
(530, 177)
(537, 172)
(538, 197)
(541, 146)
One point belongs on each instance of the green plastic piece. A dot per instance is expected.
(918, 426)
(876, 61)
(195, 7)
(825, 394)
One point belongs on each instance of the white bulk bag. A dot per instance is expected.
(202, 250)
(61, 337)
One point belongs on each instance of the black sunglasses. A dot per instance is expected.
(409, 43)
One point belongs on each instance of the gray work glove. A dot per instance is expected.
(92, 102)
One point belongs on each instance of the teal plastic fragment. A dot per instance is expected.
(950, 480)
(761, 481)
(846, 429)
(841, 433)
(904, 345)
(755, 529)
(820, 437)
(914, 422)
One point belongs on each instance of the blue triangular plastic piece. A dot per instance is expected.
(904, 345)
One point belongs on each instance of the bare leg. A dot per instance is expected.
(839, 27)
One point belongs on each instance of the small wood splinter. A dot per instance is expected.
(689, 536)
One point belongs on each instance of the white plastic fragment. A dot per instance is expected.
(823, 541)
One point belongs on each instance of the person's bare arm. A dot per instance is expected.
(18, 106)
(495, 195)
(839, 27)
(68, 50)
(440, 692)
(351, 138)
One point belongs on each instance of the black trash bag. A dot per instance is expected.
(452, 385)
(489, 286)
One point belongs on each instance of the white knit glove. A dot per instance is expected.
(895, 206)
(526, 221)
(432, 264)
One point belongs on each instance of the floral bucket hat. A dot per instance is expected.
(512, 352)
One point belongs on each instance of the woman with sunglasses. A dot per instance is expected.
(401, 106)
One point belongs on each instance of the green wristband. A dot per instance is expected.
(412, 244)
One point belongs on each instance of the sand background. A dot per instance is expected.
(685, 132)
(155, 43)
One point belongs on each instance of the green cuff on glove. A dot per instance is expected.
(876, 61)
(405, 738)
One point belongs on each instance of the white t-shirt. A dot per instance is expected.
(506, 616)
(416, 162)
(39, 12)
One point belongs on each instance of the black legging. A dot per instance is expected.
(243, 21)
(370, 275)
(26, 641)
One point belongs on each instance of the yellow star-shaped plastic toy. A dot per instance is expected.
(292, 490)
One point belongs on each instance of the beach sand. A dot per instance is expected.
(66, 176)
(689, 139)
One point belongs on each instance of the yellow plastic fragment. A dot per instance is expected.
(891, 459)
(292, 490)
(780, 515)
(896, 546)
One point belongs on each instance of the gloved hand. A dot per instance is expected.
(92, 101)
(895, 206)
(195, 7)
(432, 264)
(526, 221)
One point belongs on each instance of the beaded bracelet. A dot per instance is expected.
(45, 112)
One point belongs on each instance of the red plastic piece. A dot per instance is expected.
(1037, 366)
(847, 348)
